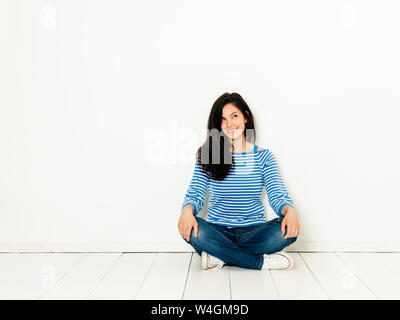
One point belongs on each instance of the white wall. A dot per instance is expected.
(104, 103)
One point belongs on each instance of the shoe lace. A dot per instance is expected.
(274, 259)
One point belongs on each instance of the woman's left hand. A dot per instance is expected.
(291, 222)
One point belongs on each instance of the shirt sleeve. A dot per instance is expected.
(197, 189)
(277, 194)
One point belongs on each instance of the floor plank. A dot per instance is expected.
(336, 278)
(166, 277)
(206, 284)
(248, 284)
(29, 275)
(123, 281)
(374, 274)
(79, 282)
(298, 283)
(179, 276)
(390, 260)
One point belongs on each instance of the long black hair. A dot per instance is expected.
(216, 137)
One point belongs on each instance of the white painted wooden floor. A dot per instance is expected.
(179, 276)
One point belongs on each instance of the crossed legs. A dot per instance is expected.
(244, 248)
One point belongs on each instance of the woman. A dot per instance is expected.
(237, 232)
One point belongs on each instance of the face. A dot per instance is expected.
(233, 121)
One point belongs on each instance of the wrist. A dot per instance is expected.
(188, 209)
(287, 208)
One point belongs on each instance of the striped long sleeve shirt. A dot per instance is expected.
(236, 200)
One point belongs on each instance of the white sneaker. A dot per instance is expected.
(210, 262)
(278, 260)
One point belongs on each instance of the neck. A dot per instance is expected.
(239, 144)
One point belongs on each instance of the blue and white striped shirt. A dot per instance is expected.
(236, 201)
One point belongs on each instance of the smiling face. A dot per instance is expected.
(233, 121)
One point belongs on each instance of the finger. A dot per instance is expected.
(283, 227)
(287, 231)
(188, 233)
(195, 229)
(290, 232)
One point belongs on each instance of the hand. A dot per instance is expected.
(290, 220)
(187, 221)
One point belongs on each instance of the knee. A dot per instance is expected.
(288, 240)
(200, 232)
(200, 235)
(291, 240)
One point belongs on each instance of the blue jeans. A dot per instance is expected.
(240, 246)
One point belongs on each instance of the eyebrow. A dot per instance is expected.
(230, 114)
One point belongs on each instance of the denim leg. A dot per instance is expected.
(211, 239)
(265, 238)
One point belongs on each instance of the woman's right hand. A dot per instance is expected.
(187, 221)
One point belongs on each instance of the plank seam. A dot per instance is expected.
(145, 276)
(65, 274)
(348, 266)
(187, 276)
(274, 284)
(104, 275)
(315, 277)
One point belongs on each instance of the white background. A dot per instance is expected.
(103, 105)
